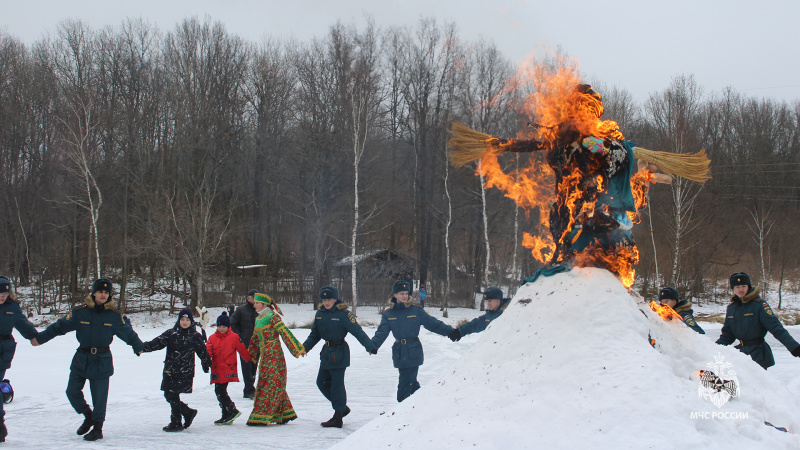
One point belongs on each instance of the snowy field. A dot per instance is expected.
(569, 369)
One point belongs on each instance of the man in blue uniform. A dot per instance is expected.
(11, 317)
(748, 318)
(495, 305)
(95, 324)
(404, 320)
(332, 323)
(670, 296)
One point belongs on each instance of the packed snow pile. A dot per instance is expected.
(569, 365)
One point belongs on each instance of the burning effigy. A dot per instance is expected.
(588, 184)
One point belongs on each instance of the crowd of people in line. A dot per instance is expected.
(254, 331)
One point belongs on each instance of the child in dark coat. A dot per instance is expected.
(223, 346)
(182, 342)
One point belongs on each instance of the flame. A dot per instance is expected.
(562, 111)
(666, 312)
(538, 246)
(619, 260)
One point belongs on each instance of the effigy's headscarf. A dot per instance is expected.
(267, 300)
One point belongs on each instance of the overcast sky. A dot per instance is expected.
(639, 45)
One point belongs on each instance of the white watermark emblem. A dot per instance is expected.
(718, 383)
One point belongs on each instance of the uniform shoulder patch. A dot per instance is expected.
(767, 309)
(689, 321)
(351, 317)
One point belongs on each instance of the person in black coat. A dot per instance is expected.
(182, 341)
(11, 316)
(243, 322)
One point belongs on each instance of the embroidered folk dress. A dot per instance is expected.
(272, 404)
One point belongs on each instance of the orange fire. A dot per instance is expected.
(561, 114)
(619, 261)
(665, 312)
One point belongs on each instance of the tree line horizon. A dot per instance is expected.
(134, 153)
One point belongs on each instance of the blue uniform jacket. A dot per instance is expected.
(404, 323)
(480, 323)
(332, 325)
(684, 309)
(95, 327)
(749, 319)
(11, 317)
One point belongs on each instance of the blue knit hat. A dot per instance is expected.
(329, 292)
(224, 320)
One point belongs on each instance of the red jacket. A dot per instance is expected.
(223, 348)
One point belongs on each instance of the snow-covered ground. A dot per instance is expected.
(569, 369)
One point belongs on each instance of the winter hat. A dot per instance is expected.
(224, 320)
(185, 312)
(740, 279)
(493, 293)
(252, 293)
(669, 293)
(5, 285)
(328, 292)
(400, 286)
(103, 284)
(267, 300)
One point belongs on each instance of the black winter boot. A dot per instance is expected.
(221, 420)
(335, 421)
(96, 433)
(3, 430)
(188, 415)
(232, 414)
(174, 423)
(87, 423)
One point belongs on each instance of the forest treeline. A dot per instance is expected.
(144, 154)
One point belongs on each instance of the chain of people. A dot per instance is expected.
(254, 331)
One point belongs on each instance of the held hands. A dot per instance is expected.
(374, 351)
(454, 335)
(206, 367)
(34, 342)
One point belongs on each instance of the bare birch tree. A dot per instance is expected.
(761, 227)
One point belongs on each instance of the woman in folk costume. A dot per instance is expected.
(272, 404)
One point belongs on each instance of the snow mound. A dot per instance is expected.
(569, 365)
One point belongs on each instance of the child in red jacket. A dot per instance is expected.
(222, 346)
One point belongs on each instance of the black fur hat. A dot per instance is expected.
(329, 292)
(740, 279)
(5, 285)
(493, 293)
(400, 286)
(669, 293)
(103, 284)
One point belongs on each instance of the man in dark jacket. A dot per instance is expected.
(11, 316)
(404, 320)
(332, 323)
(748, 318)
(182, 342)
(495, 305)
(670, 296)
(243, 321)
(95, 324)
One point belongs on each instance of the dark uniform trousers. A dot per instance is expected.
(407, 383)
(331, 383)
(99, 389)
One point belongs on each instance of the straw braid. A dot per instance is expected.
(693, 167)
